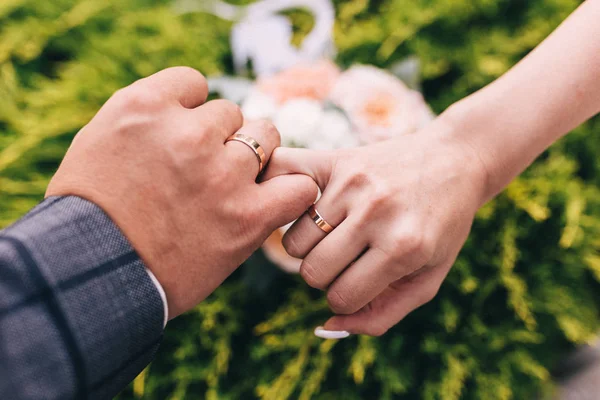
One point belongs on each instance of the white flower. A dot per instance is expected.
(379, 105)
(258, 105)
(232, 88)
(335, 132)
(306, 123)
(298, 122)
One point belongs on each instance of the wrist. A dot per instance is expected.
(453, 129)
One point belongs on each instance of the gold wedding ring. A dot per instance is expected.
(253, 144)
(318, 219)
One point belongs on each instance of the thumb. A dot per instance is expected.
(316, 164)
(285, 198)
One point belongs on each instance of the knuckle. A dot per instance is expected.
(310, 276)
(429, 294)
(268, 130)
(357, 179)
(413, 245)
(379, 197)
(135, 99)
(229, 109)
(194, 81)
(129, 116)
(337, 303)
(188, 73)
(376, 330)
(227, 104)
(291, 245)
(381, 193)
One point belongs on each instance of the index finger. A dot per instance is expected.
(360, 283)
(392, 305)
(182, 84)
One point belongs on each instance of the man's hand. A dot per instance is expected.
(401, 210)
(155, 159)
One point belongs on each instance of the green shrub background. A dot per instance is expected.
(524, 290)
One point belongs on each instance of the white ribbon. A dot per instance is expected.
(263, 37)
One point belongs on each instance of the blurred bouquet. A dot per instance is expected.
(318, 106)
(312, 102)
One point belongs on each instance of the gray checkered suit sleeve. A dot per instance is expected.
(79, 315)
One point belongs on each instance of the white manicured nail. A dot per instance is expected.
(325, 334)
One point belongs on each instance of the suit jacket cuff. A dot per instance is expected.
(99, 307)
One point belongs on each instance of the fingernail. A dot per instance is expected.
(325, 334)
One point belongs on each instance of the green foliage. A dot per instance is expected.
(525, 287)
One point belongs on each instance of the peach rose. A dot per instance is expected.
(312, 81)
(379, 105)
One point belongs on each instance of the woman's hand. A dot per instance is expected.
(401, 209)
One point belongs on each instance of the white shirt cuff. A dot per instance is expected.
(163, 296)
